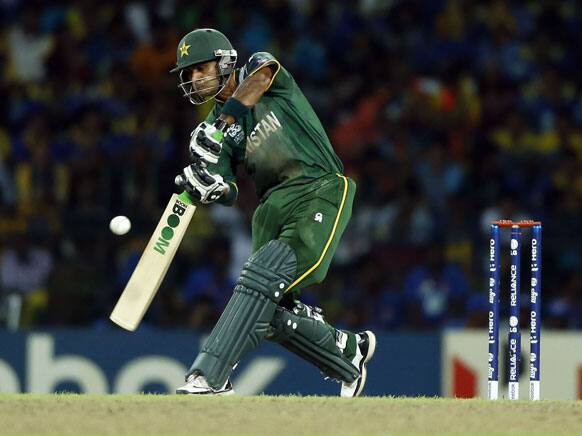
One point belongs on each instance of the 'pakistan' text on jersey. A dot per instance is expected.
(281, 141)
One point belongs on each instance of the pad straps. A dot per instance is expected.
(304, 332)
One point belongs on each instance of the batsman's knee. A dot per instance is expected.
(269, 271)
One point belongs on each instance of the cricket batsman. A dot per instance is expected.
(262, 120)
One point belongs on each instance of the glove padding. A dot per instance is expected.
(201, 184)
(206, 141)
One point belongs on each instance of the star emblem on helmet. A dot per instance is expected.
(184, 49)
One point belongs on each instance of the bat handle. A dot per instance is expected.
(184, 196)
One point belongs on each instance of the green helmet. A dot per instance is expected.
(198, 46)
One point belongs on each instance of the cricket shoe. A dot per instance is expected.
(196, 384)
(364, 352)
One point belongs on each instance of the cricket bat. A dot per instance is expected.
(154, 263)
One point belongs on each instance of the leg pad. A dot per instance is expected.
(248, 314)
(304, 332)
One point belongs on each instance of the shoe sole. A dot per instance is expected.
(223, 393)
(369, 355)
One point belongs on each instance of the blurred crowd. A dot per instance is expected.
(447, 113)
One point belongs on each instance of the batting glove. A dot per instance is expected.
(206, 141)
(200, 184)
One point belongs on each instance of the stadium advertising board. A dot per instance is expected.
(156, 361)
(464, 364)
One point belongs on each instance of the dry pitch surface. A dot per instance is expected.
(170, 414)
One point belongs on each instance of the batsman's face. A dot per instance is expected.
(201, 82)
(205, 78)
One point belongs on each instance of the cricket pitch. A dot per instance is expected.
(172, 414)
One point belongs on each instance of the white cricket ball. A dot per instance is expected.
(120, 225)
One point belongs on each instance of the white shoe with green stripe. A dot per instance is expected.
(364, 352)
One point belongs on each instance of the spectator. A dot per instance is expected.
(24, 272)
(447, 114)
(28, 48)
(432, 288)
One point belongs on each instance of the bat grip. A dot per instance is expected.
(185, 198)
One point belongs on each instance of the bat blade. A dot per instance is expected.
(154, 263)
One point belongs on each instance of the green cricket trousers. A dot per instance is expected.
(311, 218)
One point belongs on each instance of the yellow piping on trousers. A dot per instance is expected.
(339, 212)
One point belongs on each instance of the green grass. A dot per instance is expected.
(171, 414)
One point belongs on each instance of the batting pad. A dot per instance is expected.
(247, 316)
(311, 338)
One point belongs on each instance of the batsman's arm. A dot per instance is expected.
(248, 93)
(226, 167)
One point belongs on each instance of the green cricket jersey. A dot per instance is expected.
(281, 142)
